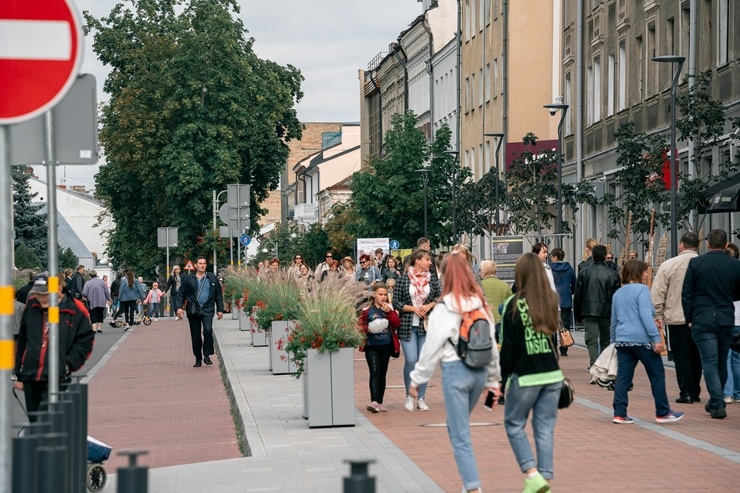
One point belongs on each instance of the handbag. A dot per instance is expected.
(566, 338)
(194, 309)
(567, 392)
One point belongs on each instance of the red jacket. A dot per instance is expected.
(393, 323)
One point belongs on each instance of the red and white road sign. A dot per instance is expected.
(40, 55)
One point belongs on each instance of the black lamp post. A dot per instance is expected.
(455, 155)
(563, 108)
(674, 227)
(500, 136)
(425, 171)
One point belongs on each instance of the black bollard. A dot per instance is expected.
(82, 414)
(25, 469)
(65, 406)
(359, 481)
(50, 457)
(133, 478)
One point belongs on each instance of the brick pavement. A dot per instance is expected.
(147, 396)
(591, 453)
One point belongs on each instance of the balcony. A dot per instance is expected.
(306, 213)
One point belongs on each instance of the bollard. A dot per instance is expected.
(133, 478)
(359, 481)
(50, 458)
(69, 427)
(82, 414)
(25, 469)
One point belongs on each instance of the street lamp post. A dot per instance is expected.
(455, 155)
(425, 172)
(274, 245)
(563, 108)
(500, 136)
(215, 228)
(674, 227)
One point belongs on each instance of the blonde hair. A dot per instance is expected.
(487, 268)
(460, 248)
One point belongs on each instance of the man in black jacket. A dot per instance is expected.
(78, 282)
(711, 285)
(22, 294)
(592, 302)
(200, 290)
(32, 359)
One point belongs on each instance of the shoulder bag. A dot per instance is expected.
(194, 309)
(567, 392)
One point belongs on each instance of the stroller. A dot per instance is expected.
(97, 453)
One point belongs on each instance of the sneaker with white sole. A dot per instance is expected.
(373, 407)
(623, 420)
(670, 417)
(409, 403)
(421, 405)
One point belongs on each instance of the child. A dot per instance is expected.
(153, 297)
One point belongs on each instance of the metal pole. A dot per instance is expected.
(674, 220)
(426, 233)
(7, 308)
(454, 201)
(498, 178)
(560, 176)
(53, 279)
(215, 211)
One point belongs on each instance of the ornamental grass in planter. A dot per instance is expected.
(327, 320)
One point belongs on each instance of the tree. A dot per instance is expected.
(388, 195)
(341, 216)
(25, 258)
(191, 109)
(29, 222)
(67, 259)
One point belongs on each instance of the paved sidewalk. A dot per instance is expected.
(411, 450)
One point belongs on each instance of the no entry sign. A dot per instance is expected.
(40, 54)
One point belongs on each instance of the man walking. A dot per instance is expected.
(77, 283)
(197, 295)
(592, 302)
(711, 285)
(565, 284)
(666, 296)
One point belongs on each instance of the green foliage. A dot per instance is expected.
(25, 258)
(288, 242)
(31, 235)
(66, 259)
(192, 109)
(342, 216)
(388, 196)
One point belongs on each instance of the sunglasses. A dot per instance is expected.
(329, 256)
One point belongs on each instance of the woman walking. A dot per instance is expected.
(530, 317)
(97, 294)
(415, 295)
(636, 336)
(461, 385)
(130, 293)
(378, 321)
(173, 286)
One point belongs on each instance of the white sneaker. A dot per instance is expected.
(155, 319)
(409, 403)
(729, 400)
(421, 405)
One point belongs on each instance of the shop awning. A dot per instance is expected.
(724, 196)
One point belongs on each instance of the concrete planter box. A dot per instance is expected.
(244, 322)
(329, 388)
(236, 313)
(279, 362)
(260, 338)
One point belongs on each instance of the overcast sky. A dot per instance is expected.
(328, 40)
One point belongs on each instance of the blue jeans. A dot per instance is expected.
(627, 358)
(462, 387)
(714, 345)
(732, 387)
(542, 400)
(153, 310)
(411, 350)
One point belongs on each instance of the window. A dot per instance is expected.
(473, 10)
(567, 100)
(495, 77)
(480, 87)
(481, 164)
(640, 69)
(597, 89)
(466, 105)
(622, 77)
(487, 11)
(487, 164)
(610, 86)
(481, 13)
(472, 93)
(467, 20)
(651, 86)
(488, 83)
(723, 32)
(589, 95)
(670, 37)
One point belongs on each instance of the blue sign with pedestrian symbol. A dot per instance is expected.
(395, 244)
(244, 240)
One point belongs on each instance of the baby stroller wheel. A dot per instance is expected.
(96, 477)
(147, 320)
(119, 324)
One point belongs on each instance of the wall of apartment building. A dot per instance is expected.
(310, 143)
(444, 66)
(415, 42)
(622, 83)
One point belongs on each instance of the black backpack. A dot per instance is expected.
(475, 344)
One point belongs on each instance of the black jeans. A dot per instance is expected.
(202, 346)
(687, 360)
(36, 393)
(128, 308)
(377, 358)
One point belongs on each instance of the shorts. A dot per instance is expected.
(97, 315)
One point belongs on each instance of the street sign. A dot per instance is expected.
(395, 244)
(189, 265)
(166, 237)
(244, 240)
(40, 56)
(75, 129)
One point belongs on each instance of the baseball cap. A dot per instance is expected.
(40, 284)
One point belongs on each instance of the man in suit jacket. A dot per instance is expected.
(711, 285)
(202, 289)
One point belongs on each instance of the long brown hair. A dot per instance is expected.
(533, 286)
(458, 278)
(130, 277)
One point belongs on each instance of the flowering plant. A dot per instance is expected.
(328, 320)
(278, 299)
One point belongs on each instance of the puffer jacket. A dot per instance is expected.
(595, 288)
(75, 340)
